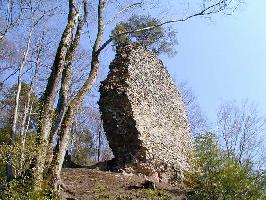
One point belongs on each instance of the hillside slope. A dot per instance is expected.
(93, 184)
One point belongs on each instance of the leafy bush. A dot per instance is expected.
(22, 189)
(160, 40)
(218, 176)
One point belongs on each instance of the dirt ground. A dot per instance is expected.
(93, 184)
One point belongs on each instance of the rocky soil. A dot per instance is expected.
(94, 184)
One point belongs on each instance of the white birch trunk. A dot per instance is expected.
(27, 114)
(9, 168)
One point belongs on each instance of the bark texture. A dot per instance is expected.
(48, 98)
(73, 105)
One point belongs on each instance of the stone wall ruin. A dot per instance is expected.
(143, 114)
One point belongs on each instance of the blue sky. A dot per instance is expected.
(224, 58)
(221, 59)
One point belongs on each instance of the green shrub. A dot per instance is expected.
(156, 194)
(22, 189)
(217, 175)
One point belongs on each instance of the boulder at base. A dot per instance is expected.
(144, 115)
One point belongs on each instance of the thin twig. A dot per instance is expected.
(206, 11)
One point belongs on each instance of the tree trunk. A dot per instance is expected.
(99, 141)
(75, 103)
(64, 90)
(9, 167)
(48, 98)
(60, 150)
(26, 116)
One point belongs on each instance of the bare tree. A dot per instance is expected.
(87, 130)
(8, 54)
(240, 128)
(29, 104)
(10, 15)
(10, 171)
(34, 22)
(198, 122)
(57, 123)
(60, 65)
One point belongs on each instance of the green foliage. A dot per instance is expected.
(15, 151)
(156, 194)
(219, 176)
(8, 99)
(160, 39)
(4, 135)
(82, 147)
(102, 192)
(22, 189)
(2, 173)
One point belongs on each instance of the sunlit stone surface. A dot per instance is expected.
(144, 115)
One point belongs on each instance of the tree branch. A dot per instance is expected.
(206, 11)
(123, 10)
(63, 100)
(48, 98)
(95, 59)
